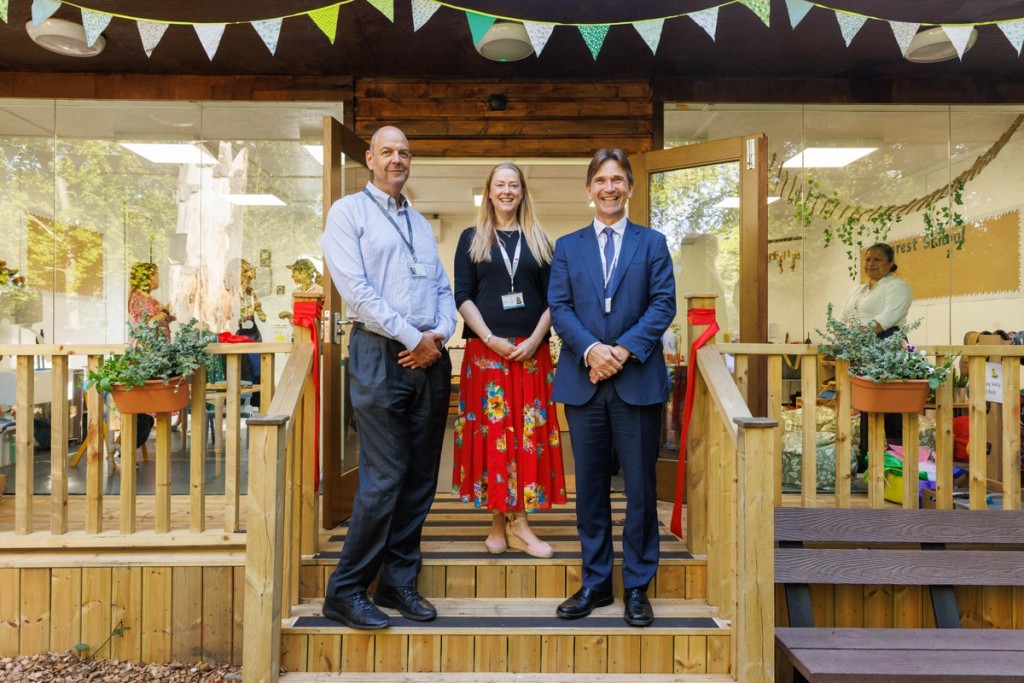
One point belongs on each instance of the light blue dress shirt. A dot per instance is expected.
(370, 266)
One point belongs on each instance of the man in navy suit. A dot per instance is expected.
(612, 296)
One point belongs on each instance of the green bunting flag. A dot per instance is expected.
(478, 25)
(762, 8)
(594, 35)
(386, 7)
(327, 19)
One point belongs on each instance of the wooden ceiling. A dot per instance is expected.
(777, 63)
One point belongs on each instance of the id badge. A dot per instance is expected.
(607, 304)
(418, 269)
(512, 300)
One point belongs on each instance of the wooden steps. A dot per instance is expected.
(490, 677)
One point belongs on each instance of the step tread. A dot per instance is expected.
(468, 616)
(498, 677)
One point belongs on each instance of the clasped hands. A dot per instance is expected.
(520, 352)
(605, 361)
(426, 353)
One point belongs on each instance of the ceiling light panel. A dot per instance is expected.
(828, 157)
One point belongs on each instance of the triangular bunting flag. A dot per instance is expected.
(959, 35)
(3, 10)
(151, 32)
(849, 24)
(94, 23)
(762, 8)
(386, 7)
(327, 19)
(43, 10)
(209, 36)
(798, 9)
(904, 32)
(478, 25)
(539, 34)
(707, 19)
(593, 36)
(650, 31)
(269, 30)
(422, 10)
(1014, 32)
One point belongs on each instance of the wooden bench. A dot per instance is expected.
(939, 549)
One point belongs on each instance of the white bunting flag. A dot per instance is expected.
(707, 19)
(849, 25)
(904, 31)
(959, 36)
(151, 32)
(798, 9)
(1014, 32)
(539, 34)
(650, 31)
(269, 30)
(422, 10)
(209, 36)
(94, 23)
(43, 10)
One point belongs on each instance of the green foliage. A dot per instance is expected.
(151, 355)
(879, 360)
(958, 379)
(942, 220)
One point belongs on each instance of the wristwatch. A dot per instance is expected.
(488, 338)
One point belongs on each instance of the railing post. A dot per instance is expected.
(1011, 434)
(844, 437)
(264, 556)
(308, 476)
(58, 444)
(754, 622)
(697, 441)
(24, 455)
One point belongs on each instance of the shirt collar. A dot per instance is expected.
(385, 199)
(619, 226)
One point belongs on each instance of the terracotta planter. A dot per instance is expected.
(153, 397)
(895, 396)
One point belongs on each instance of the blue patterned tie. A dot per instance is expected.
(609, 258)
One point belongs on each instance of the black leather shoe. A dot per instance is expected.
(582, 603)
(406, 600)
(638, 608)
(356, 611)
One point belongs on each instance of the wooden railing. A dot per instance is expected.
(981, 484)
(91, 532)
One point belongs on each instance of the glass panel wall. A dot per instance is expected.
(220, 197)
(937, 183)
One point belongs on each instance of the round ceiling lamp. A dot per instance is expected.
(64, 37)
(933, 45)
(505, 41)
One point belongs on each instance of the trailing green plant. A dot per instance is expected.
(151, 355)
(943, 225)
(879, 360)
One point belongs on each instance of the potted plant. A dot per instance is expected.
(886, 375)
(959, 382)
(153, 373)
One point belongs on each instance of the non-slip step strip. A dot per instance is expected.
(521, 624)
(436, 537)
(510, 555)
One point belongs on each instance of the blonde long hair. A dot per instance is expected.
(537, 241)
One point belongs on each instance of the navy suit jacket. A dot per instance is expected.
(643, 306)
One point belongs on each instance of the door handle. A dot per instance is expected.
(339, 327)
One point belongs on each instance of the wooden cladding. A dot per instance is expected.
(538, 118)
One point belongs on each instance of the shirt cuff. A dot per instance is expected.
(587, 353)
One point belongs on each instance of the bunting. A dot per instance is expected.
(797, 9)
(594, 35)
(209, 36)
(539, 34)
(650, 29)
(3, 10)
(94, 23)
(1014, 32)
(707, 19)
(422, 10)
(326, 18)
(849, 25)
(269, 31)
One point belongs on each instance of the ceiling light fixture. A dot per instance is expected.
(163, 153)
(933, 45)
(734, 202)
(505, 41)
(64, 37)
(316, 151)
(827, 157)
(254, 200)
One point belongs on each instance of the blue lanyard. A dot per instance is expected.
(408, 224)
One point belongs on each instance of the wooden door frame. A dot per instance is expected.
(750, 152)
(339, 487)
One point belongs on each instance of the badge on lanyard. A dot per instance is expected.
(418, 269)
(512, 300)
(607, 304)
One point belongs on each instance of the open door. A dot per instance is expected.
(345, 172)
(710, 200)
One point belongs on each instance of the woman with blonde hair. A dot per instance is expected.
(144, 278)
(508, 457)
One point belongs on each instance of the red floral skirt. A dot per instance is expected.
(508, 451)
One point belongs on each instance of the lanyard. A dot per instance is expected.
(512, 266)
(408, 224)
(609, 268)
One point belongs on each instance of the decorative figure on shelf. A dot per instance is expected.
(306, 278)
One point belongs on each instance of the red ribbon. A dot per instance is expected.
(695, 316)
(307, 314)
(228, 338)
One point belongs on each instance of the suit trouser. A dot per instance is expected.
(604, 423)
(401, 416)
